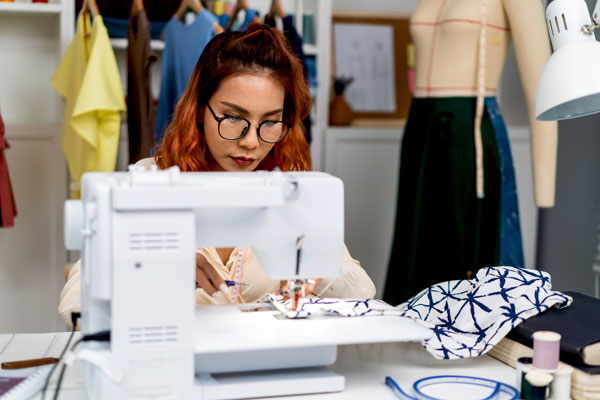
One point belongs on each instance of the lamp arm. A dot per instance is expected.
(589, 29)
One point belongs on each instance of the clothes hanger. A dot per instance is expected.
(90, 6)
(194, 5)
(137, 5)
(240, 5)
(277, 9)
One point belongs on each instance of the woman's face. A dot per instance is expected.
(254, 96)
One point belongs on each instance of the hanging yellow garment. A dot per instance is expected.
(88, 80)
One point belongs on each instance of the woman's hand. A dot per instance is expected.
(208, 279)
(307, 288)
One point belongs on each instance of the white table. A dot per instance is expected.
(364, 366)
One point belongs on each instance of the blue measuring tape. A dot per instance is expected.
(499, 390)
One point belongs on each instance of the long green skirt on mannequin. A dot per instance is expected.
(443, 231)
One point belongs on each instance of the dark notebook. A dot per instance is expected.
(578, 325)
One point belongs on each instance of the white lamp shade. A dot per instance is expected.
(569, 85)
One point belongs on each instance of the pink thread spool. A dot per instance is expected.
(546, 350)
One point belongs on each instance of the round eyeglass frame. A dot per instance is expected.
(245, 131)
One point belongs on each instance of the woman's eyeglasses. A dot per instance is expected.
(233, 128)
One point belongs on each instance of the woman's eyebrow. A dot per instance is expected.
(243, 111)
(274, 112)
(235, 107)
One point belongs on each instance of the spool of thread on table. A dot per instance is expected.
(560, 389)
(539, 382)
(523, 366)
(546, 349)
(525, 386)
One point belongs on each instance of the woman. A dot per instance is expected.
(242, 110)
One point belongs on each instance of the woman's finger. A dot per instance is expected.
(310, 285)
(211, 275)
(283, 287)
(203, 282)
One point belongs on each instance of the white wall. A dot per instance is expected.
(32, 254)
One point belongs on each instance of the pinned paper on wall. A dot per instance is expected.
(365, 52)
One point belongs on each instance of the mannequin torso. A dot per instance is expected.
(446, 37)
(448, 30)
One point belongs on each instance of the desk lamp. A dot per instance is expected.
(569, 85)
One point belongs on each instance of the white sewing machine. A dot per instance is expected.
(138, 232)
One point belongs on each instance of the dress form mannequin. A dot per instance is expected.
(455, 61)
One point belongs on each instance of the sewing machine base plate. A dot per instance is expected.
(267, 383)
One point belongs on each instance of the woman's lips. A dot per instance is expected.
(242, 161)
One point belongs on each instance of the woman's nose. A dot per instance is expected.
(250, 140)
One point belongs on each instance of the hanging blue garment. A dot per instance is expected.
(183, 46)
(248, 17)
(117, 27)
(223, 20)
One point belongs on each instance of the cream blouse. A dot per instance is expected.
(353, 282)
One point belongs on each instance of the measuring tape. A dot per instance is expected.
(237, 275)
(499, 390)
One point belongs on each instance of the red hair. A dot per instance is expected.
(258, 49)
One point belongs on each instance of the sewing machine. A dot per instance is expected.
(138, 232)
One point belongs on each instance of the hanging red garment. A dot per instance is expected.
(8, 209)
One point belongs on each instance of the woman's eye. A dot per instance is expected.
(269, 124)
(232, 118)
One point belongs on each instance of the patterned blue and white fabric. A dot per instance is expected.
(468, 317)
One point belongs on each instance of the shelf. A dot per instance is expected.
(29, 9)
(157, 45)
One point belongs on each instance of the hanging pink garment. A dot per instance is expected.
(8, 209)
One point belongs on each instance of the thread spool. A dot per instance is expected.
(525, 386)
(539, 382)
(523, 365)
(560, 389)
(546, 349)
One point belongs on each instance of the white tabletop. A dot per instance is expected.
(364, 366)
